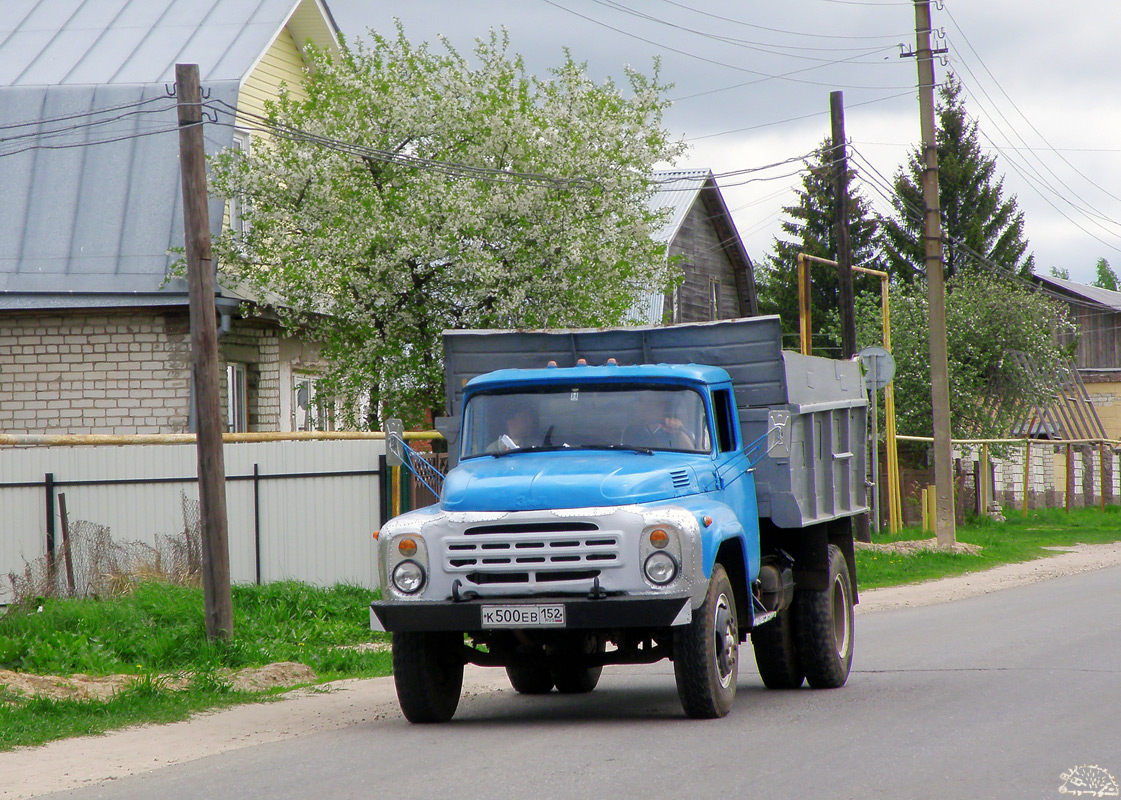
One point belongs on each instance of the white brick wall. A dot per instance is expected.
(120, 373)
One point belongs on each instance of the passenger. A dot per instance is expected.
(521, 431)
(655, 427)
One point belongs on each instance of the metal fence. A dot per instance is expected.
(297, 509)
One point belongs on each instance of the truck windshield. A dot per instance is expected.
(642, 418)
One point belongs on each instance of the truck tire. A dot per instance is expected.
(428, 674)
(824, 629)
(776, 654)
(706, 653)
(571, 679)
(530, 680)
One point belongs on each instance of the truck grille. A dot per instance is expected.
(528, 554)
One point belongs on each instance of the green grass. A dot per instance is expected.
(1013, 541)
(158, 630)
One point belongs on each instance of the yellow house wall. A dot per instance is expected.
(1107, 402)
(281, 64)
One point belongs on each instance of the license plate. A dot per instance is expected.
(523, 616)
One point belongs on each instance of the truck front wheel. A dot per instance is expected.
(428, 674)
(824, 627)
(706, 653)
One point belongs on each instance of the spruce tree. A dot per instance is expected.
(976, 219)
(809, 229)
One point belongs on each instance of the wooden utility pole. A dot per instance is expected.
(204, 357)
(846, 302)
(936, 294)
(841, 225)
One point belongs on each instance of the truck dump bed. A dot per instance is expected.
(818, 474)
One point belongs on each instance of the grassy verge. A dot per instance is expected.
(1013, 541)
(157, 632)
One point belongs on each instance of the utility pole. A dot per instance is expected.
(847, 304)
(218, 605)
(936, 294)
(841, 224)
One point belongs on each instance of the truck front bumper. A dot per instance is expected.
(580, 613)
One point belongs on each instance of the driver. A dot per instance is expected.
(656, 428)
(521, 427)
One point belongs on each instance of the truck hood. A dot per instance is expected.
(534, 481)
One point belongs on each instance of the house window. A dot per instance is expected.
(237, 398)
(312, 409)
(713, 299)
(237, 204)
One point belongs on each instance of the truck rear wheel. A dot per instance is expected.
(706, 653)
(824, 627)
(776, 654)
(573, 679)
(530, 680)
(428, 674)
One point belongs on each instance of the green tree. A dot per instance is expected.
(989, 320)
(976, 219)
(809, 229)
(469, 194)
(1060, 272)
(1106, 277)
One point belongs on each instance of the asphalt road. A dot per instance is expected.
(998, 696)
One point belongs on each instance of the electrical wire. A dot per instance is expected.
(781, 30)
(764, 75)
(792, 119)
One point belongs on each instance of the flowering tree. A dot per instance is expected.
(989, 320)
(415, 191)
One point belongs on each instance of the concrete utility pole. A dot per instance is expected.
(218, 604)
(936, 293)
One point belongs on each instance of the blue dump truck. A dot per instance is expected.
(629, 495)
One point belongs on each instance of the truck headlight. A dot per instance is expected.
(408, 577)
(660, 568)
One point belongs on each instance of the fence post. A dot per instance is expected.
(1027, 473)
(1068, 489)
(257, 519)
(48, 485)
(1101, 472)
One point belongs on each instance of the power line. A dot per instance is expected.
(765, 47)
(764, 75)
(781, 30)
(791, 119)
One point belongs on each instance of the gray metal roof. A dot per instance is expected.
(89, 149)
(677, 190)
(68, 42)
(1105, 297)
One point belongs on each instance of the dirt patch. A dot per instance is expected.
(916, 545)
(86, 687)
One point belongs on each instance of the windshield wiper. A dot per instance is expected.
(532, 449)
(630, 447)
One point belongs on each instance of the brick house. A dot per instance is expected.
(93, 333)
(719, 279)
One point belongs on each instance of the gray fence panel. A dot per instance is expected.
(313, 529)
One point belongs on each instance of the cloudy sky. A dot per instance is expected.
(752, 83)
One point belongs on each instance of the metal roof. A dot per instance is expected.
(1105, 297)
(677, 191)
(89, 151)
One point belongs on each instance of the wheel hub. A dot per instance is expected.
(726, 640)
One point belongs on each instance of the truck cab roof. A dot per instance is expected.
(606, 374)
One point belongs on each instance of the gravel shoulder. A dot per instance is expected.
(75, 763)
